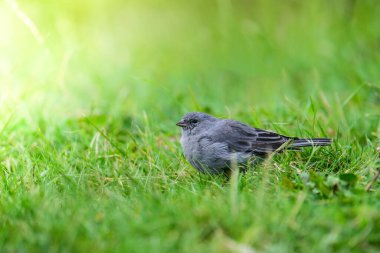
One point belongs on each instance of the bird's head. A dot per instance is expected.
(193, 122)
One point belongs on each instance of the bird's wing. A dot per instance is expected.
(243, 138)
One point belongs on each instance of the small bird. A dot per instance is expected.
(213, 145)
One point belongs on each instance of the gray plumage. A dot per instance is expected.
(213, 145)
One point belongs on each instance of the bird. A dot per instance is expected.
(214, 146)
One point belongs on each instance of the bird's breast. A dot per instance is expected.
(191, 148)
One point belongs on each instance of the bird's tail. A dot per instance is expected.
(314, 142)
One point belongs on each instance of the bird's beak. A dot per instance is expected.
(182, 124)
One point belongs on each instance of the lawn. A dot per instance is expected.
(90, 91)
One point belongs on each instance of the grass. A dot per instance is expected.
(90, 159)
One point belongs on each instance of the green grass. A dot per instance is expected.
(90, 159)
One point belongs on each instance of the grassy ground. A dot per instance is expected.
(90, 159)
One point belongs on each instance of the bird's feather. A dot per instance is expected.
(243, 138)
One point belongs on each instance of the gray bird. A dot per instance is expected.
(213, 145)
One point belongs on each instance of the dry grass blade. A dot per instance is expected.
(369, 186)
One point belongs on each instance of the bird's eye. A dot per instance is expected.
(194, 121)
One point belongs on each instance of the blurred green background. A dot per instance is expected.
(68, 57)
(90, 92)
